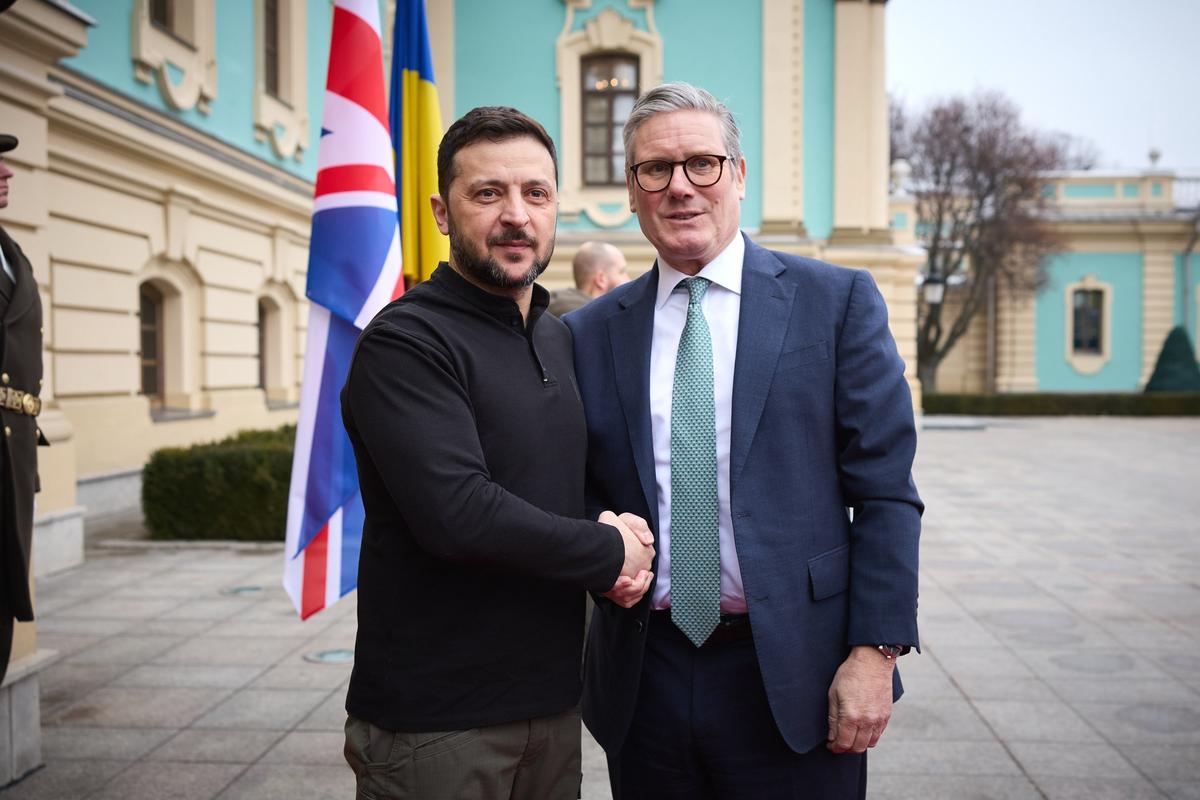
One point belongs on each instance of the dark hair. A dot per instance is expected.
(494, 123)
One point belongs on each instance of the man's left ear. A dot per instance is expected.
(439, 212)
(741, 179)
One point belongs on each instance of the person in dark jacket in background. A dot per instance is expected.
(469, 436)
(598, 267)
(20, 385)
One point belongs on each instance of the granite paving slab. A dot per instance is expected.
(263, 709)
(291, 781)
(217, 745)
(1059, 613)
(179, 780)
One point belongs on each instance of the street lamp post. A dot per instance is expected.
(934, 290)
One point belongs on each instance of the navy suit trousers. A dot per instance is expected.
(703, 730)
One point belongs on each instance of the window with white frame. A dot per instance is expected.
(609, 90)
(167, 350)
(173, 45)
(1087, 321)
(150, 354)
(1088, 334)
(281, 95)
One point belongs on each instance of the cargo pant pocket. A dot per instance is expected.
(384, 761)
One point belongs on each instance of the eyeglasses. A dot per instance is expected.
(702, 170)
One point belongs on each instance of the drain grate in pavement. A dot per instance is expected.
(330, 656)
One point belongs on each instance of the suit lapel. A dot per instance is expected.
(765, 310)
(630, 331)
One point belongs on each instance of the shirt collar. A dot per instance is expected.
(725, 270)
(500, 307)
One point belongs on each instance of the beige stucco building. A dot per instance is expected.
(1127, 274)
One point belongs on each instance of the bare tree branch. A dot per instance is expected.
(977, 177)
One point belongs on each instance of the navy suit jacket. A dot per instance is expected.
(822, 428)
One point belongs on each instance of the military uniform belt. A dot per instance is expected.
(21, 402)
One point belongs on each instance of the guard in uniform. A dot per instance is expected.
(20, 385)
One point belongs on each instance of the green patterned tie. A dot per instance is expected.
(695, 547)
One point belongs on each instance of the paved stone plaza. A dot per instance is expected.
(1060, 616)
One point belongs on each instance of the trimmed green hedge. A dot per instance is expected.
(232, 489)
(1048, 404)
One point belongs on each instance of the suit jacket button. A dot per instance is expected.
(7, 431)
(639, 625)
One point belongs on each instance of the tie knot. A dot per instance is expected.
(696, 288)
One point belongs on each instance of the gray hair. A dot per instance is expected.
(681, 96)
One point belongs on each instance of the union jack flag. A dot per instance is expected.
(353, 271)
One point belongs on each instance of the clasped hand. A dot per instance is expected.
(634, 580)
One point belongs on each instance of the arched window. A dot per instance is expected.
(276, 330)
(263, 339)
(609, 88)
(150, 313)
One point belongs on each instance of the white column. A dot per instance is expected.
(860, 203)
(1158, 300)
(783, 117)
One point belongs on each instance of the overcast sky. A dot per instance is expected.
(1123, 73)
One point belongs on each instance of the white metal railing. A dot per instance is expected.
(1186, 192)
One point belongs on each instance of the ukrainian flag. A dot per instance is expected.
(416, 132)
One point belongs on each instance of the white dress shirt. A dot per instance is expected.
(722, 309)
(4, 265)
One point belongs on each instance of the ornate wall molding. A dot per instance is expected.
(191, 51)
(1088, 363)
(283, 119)
(607, 32)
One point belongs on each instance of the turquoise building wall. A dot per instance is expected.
(504, 54)
(106, 59)
(703, 43)
(819, 30)
(707, 44)
(1123, 271)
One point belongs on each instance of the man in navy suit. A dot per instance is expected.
(762, 422)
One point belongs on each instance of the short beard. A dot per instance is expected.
(486, 269)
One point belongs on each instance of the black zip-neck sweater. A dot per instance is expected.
(470, 440)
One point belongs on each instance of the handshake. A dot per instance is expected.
(634, 580)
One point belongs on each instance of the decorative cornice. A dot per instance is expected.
(78, 87)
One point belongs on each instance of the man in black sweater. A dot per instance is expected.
(470, 440)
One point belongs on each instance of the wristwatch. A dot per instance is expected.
(892, 651)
